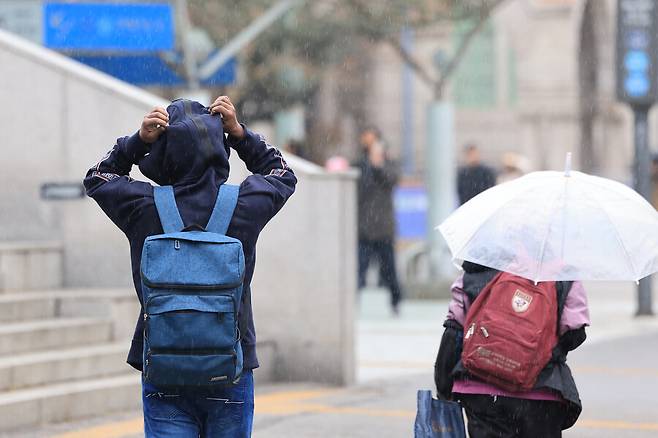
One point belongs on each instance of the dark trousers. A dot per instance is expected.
(384, 252)
(505, 417)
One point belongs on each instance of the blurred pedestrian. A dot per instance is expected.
(513, 166)
(376, 232)
(186, 149)
(473, 177)
(654, 181)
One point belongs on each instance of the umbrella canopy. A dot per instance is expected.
(558, 226)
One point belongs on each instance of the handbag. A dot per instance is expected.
(438, 418)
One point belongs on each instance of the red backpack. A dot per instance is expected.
(510, 332)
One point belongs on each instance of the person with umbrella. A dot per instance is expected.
(553, 404)
(523, 243)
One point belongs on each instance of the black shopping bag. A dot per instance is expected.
(438, 418)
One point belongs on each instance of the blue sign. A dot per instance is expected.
(637, 84)
(110, 27)
(151, 70)
(411, 212)
(636, 61)
(637, 52)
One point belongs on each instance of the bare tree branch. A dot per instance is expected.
(437, 83)
(412, 62)
(464, 44)
(392, 40)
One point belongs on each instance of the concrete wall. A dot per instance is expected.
(60, 117)
(305, 276)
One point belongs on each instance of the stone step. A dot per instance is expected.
(119, 305)
(53, 333)
(24, 307)
(69, 401)
(30, 265)
(49, 367)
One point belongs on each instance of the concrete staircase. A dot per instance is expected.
(30, 265)
(62, 351)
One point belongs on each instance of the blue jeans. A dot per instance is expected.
(225, 413)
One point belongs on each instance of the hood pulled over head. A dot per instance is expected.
(191, 147)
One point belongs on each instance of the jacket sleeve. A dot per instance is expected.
(450, 349)
(575, 313)
(574, 319)
(461, 185)
(273, 181)
(458, 302)
(109, 184)
(386, 175)
(447, 357)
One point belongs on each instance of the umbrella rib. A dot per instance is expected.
(470, 239)
(629, 260)
(542, 250)
(637, 198)
(595, 181)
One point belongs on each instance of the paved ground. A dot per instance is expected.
(616, 370)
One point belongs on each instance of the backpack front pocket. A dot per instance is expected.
(188, 322)
(215, 368)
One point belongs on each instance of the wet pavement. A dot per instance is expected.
(616, 371)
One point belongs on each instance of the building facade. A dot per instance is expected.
(538, 81)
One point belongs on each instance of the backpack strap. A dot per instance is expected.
(562, 289)
(165, 203)
(227, 199)
(475, 282)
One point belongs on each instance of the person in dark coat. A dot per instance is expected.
(654, 181)
(474, 177)
(167, 153)
(379, 176)
(551, 406)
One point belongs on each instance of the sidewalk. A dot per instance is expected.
(406, 345)
(396, 358)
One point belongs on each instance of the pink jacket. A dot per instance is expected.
(574, 315)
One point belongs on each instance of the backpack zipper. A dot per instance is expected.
(206, 352)
(191, 286)
(230, 296)
(220, 315)
(470, 331)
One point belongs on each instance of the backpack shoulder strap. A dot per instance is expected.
(227, 198)
(165, 203)
(475, 282)
(562, 288)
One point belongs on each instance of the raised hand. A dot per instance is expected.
(223, 106)
(154, 124)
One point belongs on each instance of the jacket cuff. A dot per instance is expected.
(135, 148)
(239, 143)
(451, 323)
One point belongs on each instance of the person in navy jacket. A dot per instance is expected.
(167, 151)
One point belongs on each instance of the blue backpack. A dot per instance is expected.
(192, 286)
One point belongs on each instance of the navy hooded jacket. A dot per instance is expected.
(192, 155)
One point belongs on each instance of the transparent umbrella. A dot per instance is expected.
(558, 226)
